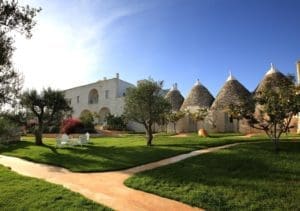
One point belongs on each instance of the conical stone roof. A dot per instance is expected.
(199, 96)
(273, 78)
(233, 92)
(175, 98)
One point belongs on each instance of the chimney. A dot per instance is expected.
(298, 71)
(117, 75)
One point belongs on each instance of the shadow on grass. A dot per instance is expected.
(251, 176)
(106, 155)
(92, 157)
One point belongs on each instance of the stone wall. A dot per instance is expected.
(215, 122)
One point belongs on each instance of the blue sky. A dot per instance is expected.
(82, 41)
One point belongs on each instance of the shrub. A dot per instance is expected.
(115, 122)
(87, 120)
(9, 131)
(72, 125)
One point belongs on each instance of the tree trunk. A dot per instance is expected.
(149, 135)
(38, 138)
(276, 139)
(174, 127)
(39, 135)
(276, 142)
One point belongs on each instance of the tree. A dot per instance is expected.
(47, 107)
(145, 104)
(162, 122)
(199, 115)
(13, 18)
(174, 117)
(272, 109)
(237, 110)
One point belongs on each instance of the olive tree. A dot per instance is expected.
(145, 104)
(271, 109)
(174, 117)
(48, 107)
(199, 116)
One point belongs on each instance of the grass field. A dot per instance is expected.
(109, 153)
(245, 177)
(24, 193)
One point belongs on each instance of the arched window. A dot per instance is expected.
(93, 96)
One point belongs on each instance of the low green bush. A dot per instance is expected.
(9, 131)
(87, 120)
(115, 122)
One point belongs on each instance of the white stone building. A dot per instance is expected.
(107, 96)
(102, 97)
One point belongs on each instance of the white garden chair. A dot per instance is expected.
(62, 141)
(87, 135)
(84, 139)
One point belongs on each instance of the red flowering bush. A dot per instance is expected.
(72, 125)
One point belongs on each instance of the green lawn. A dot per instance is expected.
(24, 193)
(108, 153)
(245, 177)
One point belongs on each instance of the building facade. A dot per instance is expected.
(101, 98)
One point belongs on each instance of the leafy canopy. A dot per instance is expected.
(271, 109)
(13, 18)
(145, 104)
(48, 107)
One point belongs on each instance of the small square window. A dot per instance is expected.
(106, 94)
(77, 99)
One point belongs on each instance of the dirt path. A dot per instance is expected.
(107, 188)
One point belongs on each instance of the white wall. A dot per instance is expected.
(115, 101)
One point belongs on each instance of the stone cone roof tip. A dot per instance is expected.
(230, 77)
(272, 70)
(273, 77)
(232, 92)
(174, 97)
(174, 87)
(197, 82)
(198, 96)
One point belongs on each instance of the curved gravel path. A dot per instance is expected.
(107, 188)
